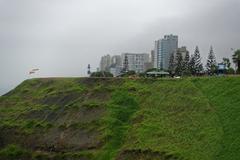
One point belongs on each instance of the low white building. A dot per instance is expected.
(134, 61)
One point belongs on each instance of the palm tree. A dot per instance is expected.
(236, 59)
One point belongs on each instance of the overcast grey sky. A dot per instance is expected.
(60, 37)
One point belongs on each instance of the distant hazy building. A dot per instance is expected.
(148, 65)
(105, 63)
(134, 61)
(183, 50)
(163, 49)
(116, 65)
(116, 60)
(152, 56)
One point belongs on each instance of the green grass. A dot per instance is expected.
(14, 152)
(120, 109)
(177, 120)
(224, 95)
(191, 118)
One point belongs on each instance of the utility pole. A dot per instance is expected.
(233, 50)
(89, 69)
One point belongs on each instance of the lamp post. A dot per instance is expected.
(233, 50)
(89, 69)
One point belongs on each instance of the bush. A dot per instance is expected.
(13, 152)
(41, 156)
(101, 74)
(129, 73)
(230, 71)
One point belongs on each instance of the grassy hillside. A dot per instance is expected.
(123, 119)
(224, 96)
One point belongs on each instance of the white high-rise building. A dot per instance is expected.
(134, 61)
(163, 49)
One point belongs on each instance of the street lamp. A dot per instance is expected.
(233, 50)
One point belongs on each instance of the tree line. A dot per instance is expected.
(188, 65)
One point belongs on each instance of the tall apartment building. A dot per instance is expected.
(134, 61)
(105, 63)
(163, 49)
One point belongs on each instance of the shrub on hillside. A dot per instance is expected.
(13, 152)
(101, 74)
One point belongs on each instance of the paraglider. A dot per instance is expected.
(33, 71)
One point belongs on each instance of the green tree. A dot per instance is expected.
(198, 66)
(179, 64)
(195, 63)
(236, 59)
(171, 67)
(211, 62)
(230, 71)
(151, 70)
(227, 62)
(129, 73)
(125, 65)
(101, 74)
(186, 67)
(191, 65)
